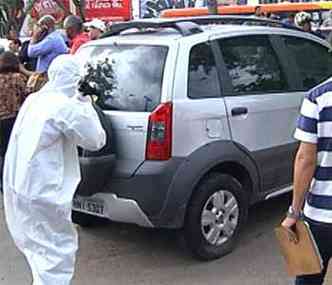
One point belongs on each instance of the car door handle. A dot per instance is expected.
(239, 111)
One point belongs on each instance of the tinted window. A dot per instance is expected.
(252, 65)
(203, 79)
(128, 77)
(313, 60)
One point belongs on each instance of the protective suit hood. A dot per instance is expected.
(63, 76)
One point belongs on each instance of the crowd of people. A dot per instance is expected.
(301, 20)
(47, 42)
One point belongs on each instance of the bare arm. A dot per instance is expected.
(304, 169)
(25, 72)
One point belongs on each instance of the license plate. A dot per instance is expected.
(89, 206)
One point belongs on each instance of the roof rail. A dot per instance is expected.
(238, 20)
(191, 25)
(185, 28)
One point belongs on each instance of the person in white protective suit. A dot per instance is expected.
(42, 171)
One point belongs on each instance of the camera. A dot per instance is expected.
(85, 88)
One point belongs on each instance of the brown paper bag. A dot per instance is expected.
(299, 250)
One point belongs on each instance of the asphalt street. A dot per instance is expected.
(122, 254)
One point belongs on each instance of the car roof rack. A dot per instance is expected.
(185, 28)
(192, 25)
(236, 20)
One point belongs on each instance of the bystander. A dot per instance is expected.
(12, 94)
(15, 46)
(303, 21)
(313, 174)
(259, 12)
(46, 43)
(328, 21)
(29, 63)
(96, 28)
(74, 30)
(290, 20)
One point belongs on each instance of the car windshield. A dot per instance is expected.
(125, 77)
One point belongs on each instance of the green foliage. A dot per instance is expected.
(12, 14)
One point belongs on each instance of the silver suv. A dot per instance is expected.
(200, 114)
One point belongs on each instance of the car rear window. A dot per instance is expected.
(127, 77)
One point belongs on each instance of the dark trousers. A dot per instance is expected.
(6, 127)
(322, 233)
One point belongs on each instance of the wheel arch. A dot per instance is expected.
(222, 156)
(236, 170)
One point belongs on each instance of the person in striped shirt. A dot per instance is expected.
(313, 174)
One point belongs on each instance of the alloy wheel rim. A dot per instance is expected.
(220, 217)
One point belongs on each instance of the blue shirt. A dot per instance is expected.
(48, 49)
(315, 126)
(288, 22)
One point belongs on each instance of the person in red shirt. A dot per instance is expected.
(74, 30)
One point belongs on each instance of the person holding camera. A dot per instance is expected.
(46, 43)
(42, 171)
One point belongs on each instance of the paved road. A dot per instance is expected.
(117, 254)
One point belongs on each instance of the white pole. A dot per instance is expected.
(136, 7)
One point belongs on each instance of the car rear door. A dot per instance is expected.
(262, 106)
(131, 85)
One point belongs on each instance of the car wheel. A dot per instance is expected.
(215, 215)
(84, 220)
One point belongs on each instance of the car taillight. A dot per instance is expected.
(159, 141)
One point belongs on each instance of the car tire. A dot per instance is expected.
(84, 220)
(223, 201)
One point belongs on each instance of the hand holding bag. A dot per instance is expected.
(299, 249)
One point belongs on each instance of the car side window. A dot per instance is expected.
(313, 60)
(253, 65)
(203, 81)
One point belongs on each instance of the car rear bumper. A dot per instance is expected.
(138, 199)
(116, 209)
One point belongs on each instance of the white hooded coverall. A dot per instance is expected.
(41, 172)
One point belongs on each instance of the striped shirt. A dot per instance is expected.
(315, 126)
